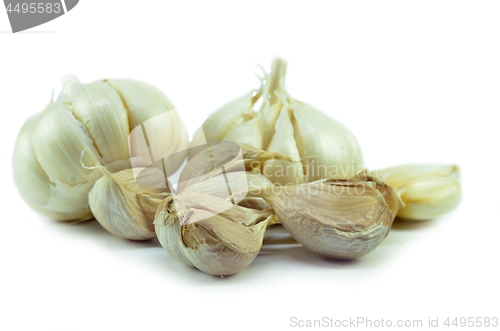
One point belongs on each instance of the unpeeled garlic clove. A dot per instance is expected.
(98, 118)
(428, 191)
(340, 219)
(326, 148)
(336, 218)
(192, 229)
(224, 157)
(52, 199)
(118, 204)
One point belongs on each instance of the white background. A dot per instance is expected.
(415, 81)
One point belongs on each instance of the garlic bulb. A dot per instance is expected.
(428, 191)
(192, 229)
(119, 123)
(119, 205)
(320, 146)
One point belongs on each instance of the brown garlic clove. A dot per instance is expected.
(427, 190)
(210, 233)
(119, 205)
(224, 157)
(341, 219)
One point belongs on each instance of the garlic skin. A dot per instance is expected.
(54, 200)
(98, 118)
(224, 157)
(191, 229)
(326, 148)
(342, 219)
(337, 218)
(427, 190)
(118, 204)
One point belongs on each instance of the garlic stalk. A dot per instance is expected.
(121, 124)
(325, 147)
(428, 191)
(192, 229)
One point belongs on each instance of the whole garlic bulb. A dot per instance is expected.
(324, 147)
(50, 171)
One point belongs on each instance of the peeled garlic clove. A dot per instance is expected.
(118, 204)
(428, 191)
(192, 231)
(224, 157)
(335, 218)
(58, 141)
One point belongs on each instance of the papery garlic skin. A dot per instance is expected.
(334, 218)
(326, 148)
(224, 157)
(193, 231)
(427, 190)
(117, 203)
(98, 118)
(342, 219)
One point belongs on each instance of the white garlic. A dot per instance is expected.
(326, 148)
(337, 218)
(192, 229)
(122, 207)
(98, 118)
(428, 191)
(224, 157)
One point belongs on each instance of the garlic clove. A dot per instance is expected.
(283, 141)
(54, 200)
(155, 125)
(341, 219)
(224, 157)
(58, 141)
(29, 176)
(117, 202)
(428, 191)
(327, 147)
(229, 117)
(217, 244)
(105, 118)
(61, 183)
